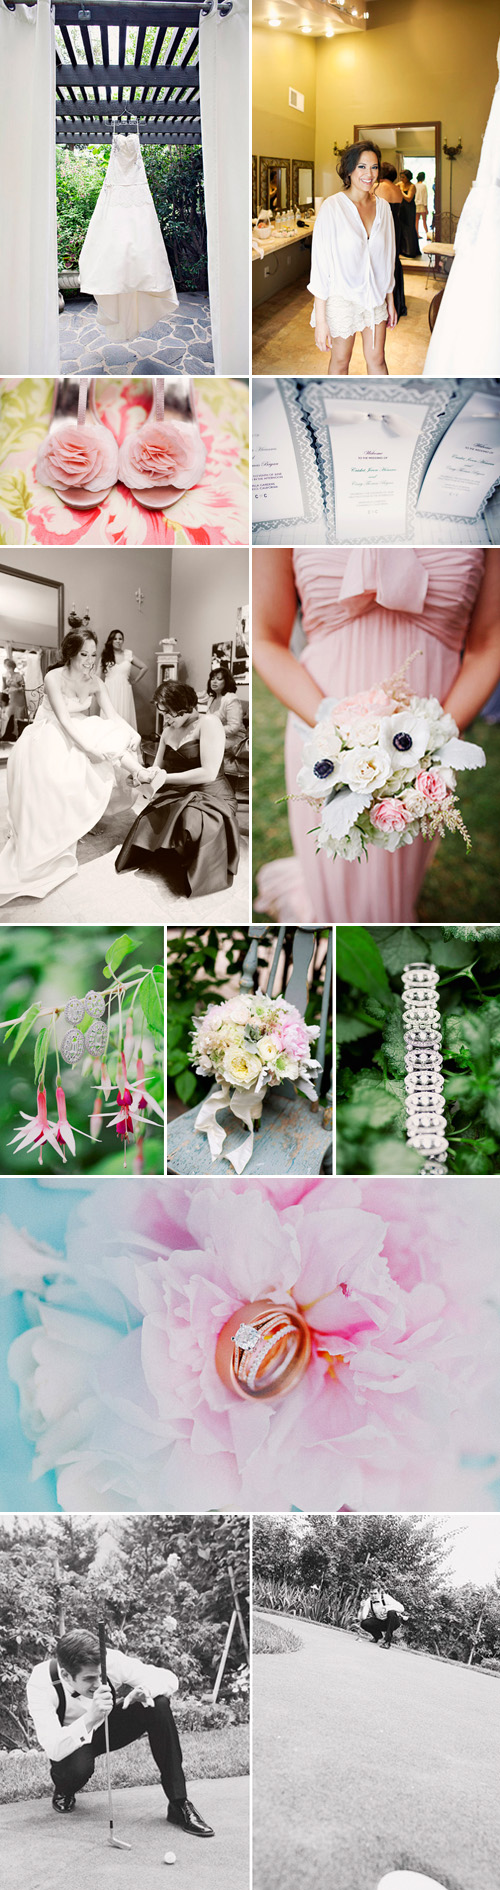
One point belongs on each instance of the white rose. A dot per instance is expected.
(364, 769)
(267, 1050)
(241, 1068)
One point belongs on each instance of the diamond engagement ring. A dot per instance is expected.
(266, 1353)
(425, 1108)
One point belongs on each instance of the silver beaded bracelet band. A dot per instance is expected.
(425, 1109)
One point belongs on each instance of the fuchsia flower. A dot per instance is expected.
(65, 1134)
(398, 1281)
(141, 1097)
(39, 1131)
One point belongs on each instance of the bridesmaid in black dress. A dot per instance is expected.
(389, 189)
(191, 822)
(409, 240)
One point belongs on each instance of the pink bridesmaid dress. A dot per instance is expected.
(363, 613)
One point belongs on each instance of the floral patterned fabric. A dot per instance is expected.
(214, 513)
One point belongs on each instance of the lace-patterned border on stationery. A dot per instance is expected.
(306, 458)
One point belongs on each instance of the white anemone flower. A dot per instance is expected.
(405, 737)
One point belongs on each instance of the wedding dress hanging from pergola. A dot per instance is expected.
(29, 306)
(124, 263)
(466, 337)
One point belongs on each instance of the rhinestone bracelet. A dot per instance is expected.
(425, 1109)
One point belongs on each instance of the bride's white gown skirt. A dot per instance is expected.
(123, 262)
(466, 337)
(56, 794)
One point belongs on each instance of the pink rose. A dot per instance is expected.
(431, 785)
(162, 454)
(389, 816)
(72, 456)
(294, 1040)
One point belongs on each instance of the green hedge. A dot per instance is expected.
(175, 178)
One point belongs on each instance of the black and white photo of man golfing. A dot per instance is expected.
(380, 1615)
(71, 1704)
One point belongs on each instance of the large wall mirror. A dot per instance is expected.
(31, 632)
(274, 184)
(413, 148)
(302, 184)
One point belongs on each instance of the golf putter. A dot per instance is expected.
(119, 1844)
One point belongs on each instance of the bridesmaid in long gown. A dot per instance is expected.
(390, 190)
(410, 245)
(363, 613)
(191, 820)
(116, 666)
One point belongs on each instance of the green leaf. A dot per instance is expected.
(23, 1028)
(400, 945)
(119, 949)
(451, 953)
(151, 998)
(186, 1086)
(359, 961)
(41, 1048)
(177, 1060)
(349, 1028)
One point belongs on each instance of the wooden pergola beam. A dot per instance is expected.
(65, 108)
(125, 13)
(173, 76)
(72, 141)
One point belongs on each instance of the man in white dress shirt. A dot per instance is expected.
(69, 1704)
(381, 1615)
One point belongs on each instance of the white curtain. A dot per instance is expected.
(224, 93)
(29, 320)
(466, 337)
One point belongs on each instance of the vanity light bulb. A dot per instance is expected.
(329, 32)
(306, 29)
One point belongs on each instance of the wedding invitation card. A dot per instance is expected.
(276, 478)
(372, 450)
(466, 464)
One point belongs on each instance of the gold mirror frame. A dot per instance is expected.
(301, 164)
(267, 164)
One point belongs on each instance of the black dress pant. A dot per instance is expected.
(382, 1630)
(124, 1726)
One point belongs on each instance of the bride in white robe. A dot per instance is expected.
(61, 773)
(466, 337)
(123, 262)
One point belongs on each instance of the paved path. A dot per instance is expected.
(367, 1761)
(182, 344)
(41, 1851)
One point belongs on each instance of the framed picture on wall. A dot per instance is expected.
(242, 635)
(222, 653)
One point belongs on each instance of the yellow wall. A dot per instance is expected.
(281, 60)
(420, 59)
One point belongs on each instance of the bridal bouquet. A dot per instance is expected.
(381, 769)
(250, 1043)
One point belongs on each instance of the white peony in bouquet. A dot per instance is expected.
(381, 768)
(250, 1043)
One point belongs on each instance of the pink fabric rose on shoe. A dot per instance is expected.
(162, 454)
(73, 456)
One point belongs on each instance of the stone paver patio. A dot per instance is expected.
(183, 343)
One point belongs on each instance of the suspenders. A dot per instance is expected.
(61, 1697)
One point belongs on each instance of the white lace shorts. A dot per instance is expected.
(346, 319)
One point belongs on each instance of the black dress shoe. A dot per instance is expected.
(183, 1813)
(63, 1801)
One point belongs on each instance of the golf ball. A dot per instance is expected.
(169, 1857)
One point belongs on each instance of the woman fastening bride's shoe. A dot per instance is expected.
(62, 771)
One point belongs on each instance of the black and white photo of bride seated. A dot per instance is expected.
(123, 736)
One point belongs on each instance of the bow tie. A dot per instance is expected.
(397, 579)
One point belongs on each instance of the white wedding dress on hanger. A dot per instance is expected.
(124, 263)
(466, 337)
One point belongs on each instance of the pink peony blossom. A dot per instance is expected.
(398, 1281)
(294, 1039)
(431, 784)
(162, 453)
(389, 816)
(72, 456)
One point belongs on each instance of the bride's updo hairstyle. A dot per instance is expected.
(176, 698)
(349, 159)
(72, 643)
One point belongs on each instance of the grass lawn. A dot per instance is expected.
(221, 1753)
(457, 886)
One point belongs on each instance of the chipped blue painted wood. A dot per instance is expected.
(291, 1139)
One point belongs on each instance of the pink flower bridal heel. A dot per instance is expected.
(165, 457)
(79, 456)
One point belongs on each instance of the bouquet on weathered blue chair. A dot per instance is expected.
(250, 1044)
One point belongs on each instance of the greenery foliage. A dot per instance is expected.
(321, 1567)
(371, 1120)
(271, 1637)
(160, 1583)
(40, 970)
(194, 983)
(175, 178)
